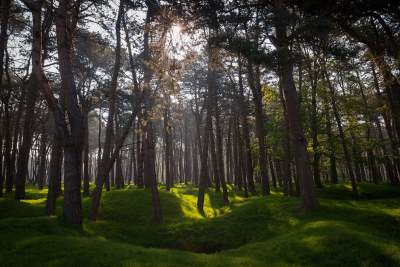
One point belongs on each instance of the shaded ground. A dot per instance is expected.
(250, 232)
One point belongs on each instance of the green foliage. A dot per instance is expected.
(250, 232)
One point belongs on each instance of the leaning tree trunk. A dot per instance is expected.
(392, 84)
(310, 200)
(105, 160)
(374, 169)
(31, 95)
(341, 133)
(390, 168)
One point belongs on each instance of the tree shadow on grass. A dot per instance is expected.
(371, 220)
(367, 191)
(325, 243)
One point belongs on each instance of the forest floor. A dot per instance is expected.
(258, 231)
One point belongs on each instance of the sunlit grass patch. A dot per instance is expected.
(34, 201)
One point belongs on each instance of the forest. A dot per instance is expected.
(200, 133)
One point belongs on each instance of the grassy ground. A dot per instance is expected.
(250, 232)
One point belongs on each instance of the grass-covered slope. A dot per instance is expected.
(250, 232)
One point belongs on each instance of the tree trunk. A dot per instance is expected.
(168, 145)
(332, 154)
(56, 159)
(105, 159)
(195, 162)
(42, 159)
(72, 185)
(214, 162)
(390, 168)
(86, 152)
(65, 23)
(286, 140)
(341, 133)
(187, 152)
(246, 134)
(5, 13)
(220, 156)
(374, 171)
(255, 86)
(149, 171)
(228, 152)
(31, 95)
(119, 177)
(314, 131)
(139, 151)
(236, 160)
(16, 135)
(293, 110)
(204, 173)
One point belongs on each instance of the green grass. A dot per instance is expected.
(258, 231)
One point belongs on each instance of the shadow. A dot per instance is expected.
(380, 223)
(324, 244)
(367, 191)
(201, 211)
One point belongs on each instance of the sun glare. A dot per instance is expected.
(176, 31)
(178, 41)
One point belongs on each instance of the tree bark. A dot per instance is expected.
(42, 159)
(86, 178)
(293, 109)
(246, 135)
(65, 24)
(168, 145)
(31, 95)
(56, 159)
(255, 86)
(211, 83)
(105, 159)
(287, 155)
(220, 156)
(149, 171)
